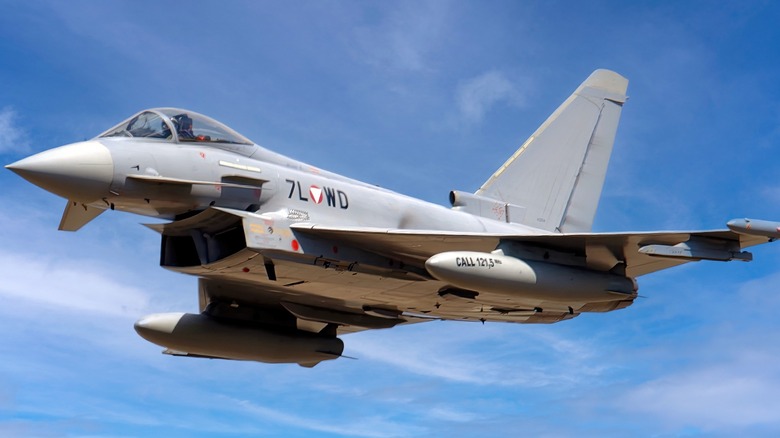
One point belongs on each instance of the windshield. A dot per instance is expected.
(176, 124)
(146, 124)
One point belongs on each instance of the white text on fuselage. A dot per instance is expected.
(317, 195)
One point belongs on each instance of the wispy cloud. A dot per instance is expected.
(67, 286)
(404, 40)
(532, 358)
(371, 427)
(731, 395)
(725, 376)
(13, 139)
(445, 413)
(476, 96)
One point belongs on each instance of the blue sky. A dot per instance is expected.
(420, 97)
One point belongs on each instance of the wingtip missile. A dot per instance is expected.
(755, 227)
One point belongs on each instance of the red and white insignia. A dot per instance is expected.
(316, 194)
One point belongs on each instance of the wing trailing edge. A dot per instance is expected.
(601, 251)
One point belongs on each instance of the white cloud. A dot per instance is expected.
(533, 357)
(721, 377)
(372, 426)
(65, 285)
(12, 137)
(451, 415)
(476, 96)
(732, 395)
(405, 39)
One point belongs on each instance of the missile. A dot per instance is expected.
(186, 334)
(699, 248)
(755, 227)
(501, 274)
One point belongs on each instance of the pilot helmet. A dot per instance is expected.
(183, 124)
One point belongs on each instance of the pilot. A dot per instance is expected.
(184, 126)
(166, 130)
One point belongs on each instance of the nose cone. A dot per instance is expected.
(80, 172)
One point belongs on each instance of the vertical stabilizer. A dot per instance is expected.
(558, 173)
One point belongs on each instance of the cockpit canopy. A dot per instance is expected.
(176, 125)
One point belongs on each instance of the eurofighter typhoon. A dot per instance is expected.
(289, 257)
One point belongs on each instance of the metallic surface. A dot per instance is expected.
(204, 336)
(531, 280)
(290, 256)
(80, 172)
(755, 227)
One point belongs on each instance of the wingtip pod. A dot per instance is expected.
(755, 227)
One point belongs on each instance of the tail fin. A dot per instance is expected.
(558, 173)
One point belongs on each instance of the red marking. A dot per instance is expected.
(245, 269)
(202, 155)
(295, 245)
(316, 194)
(335, 249)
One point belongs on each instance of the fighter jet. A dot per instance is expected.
(289, 256)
